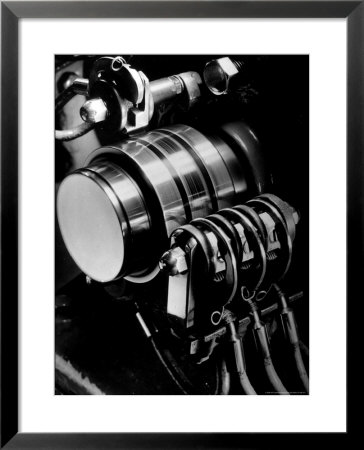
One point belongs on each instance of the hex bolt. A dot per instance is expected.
(220, 73)
(173, 261)
(94, 111)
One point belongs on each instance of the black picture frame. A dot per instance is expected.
(11, 12)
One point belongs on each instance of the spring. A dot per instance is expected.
(246, 265)
(219, 276)
(271, 256)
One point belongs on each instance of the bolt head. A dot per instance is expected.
(94, 111)
(218, 75)
(173, 261)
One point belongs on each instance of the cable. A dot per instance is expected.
(300, 366)
(74, 133)
(224, 385)
(166, 366)
(245, 384)
(261, 336)
(304, 348)
(64, 97)
(238, 352)
(79, 86)
(291, 332)
(270, 370)
(170, 364)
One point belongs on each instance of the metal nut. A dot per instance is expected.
(174, 261)
(94, 111)
(218, 75)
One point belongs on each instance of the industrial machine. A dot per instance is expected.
(181, 224)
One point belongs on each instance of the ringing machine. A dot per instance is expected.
(183, 221)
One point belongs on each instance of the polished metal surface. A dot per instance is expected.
(93, 236)
(146, 188)
(192, 92)
(103, 220)
(215, 160)
(94, 111)
(181, 165)
(218, 75)
(165, 89)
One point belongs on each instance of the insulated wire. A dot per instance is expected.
(293, 338)
(273, 377)
(74, 133)
(170, 364)
(64, 97)
(304, 348)
(300, 366)
(245, 384)
(270, 369)
(262, 339)
(224, 385)
(177, 374)
(238, 350)
(167, 368)
(68, 135)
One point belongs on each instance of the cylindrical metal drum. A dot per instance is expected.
(117, 212)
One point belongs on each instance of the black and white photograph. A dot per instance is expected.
(181, 223)
(182, 212)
